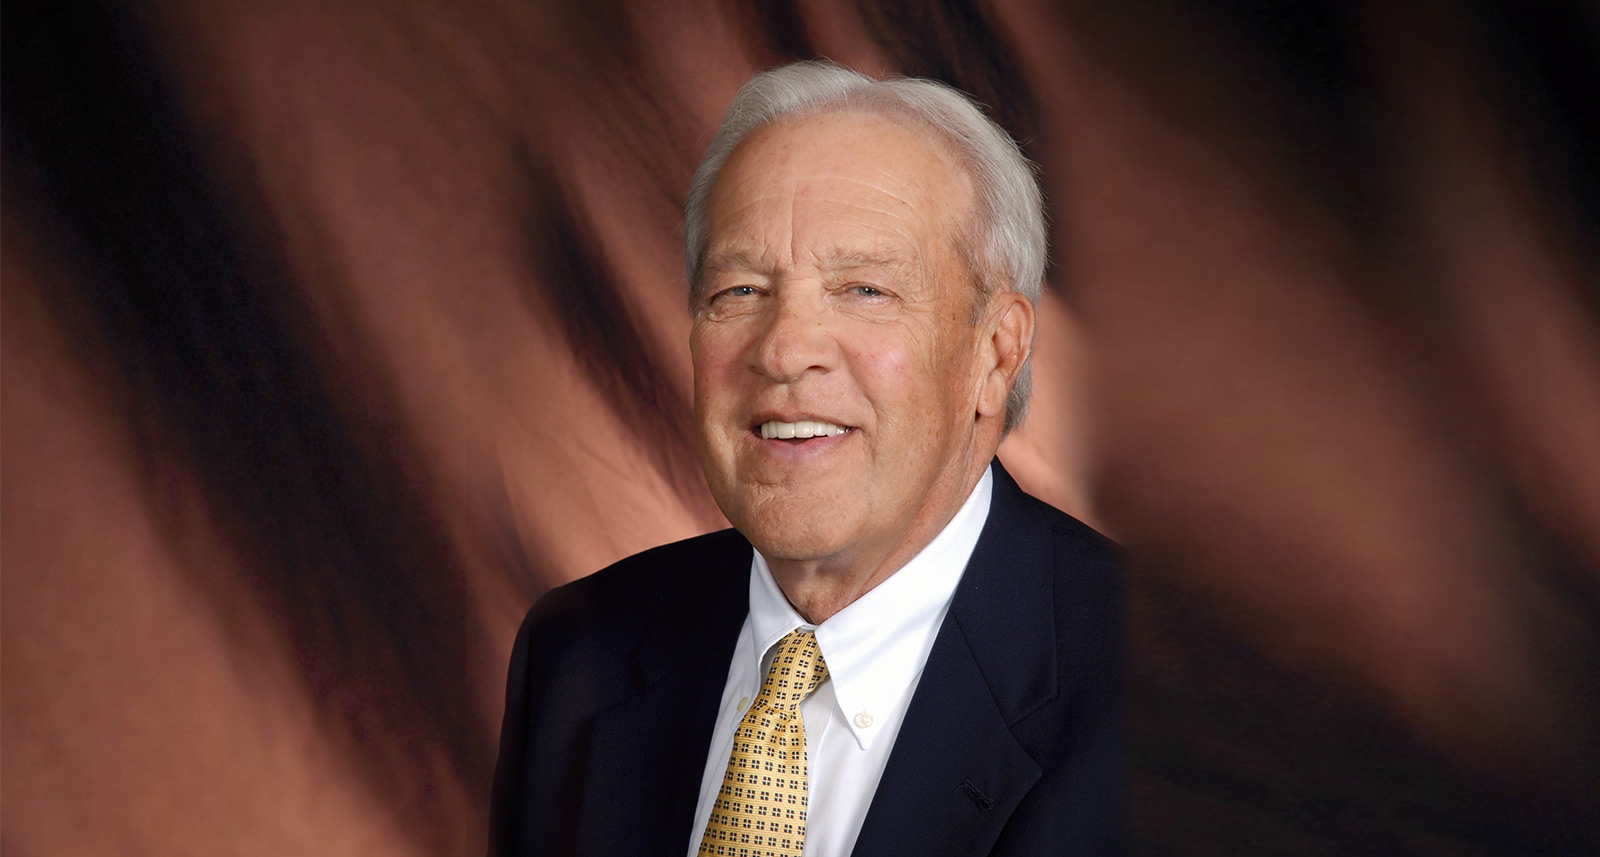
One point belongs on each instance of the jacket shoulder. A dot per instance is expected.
(1089, 581)
(663, 580)
(1077, 539)
(1073, 541)
(577, 654)
(578, 641)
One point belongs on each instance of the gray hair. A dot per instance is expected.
(1008, 250)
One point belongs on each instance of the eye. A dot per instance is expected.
(734, 292)
(866, 291)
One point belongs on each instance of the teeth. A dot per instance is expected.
(802, 429)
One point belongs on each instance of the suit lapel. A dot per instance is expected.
(957, 772)
(647, 754)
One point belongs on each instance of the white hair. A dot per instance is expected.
(1006, 247)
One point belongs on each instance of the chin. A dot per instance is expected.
(788, 539)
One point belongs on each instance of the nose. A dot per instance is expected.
(794, 341)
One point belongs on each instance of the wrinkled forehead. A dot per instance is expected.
(875, 169)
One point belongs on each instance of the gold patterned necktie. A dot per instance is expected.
(761, 808)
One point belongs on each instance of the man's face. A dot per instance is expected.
(833, 294)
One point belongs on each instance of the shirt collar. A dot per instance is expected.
(877, 645)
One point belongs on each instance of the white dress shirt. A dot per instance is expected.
(875, 649)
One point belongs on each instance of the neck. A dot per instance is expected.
(818, 591)
(820, 588)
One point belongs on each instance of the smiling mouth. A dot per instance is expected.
(799, 430)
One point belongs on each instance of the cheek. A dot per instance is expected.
(884, 364)
(909, 364)
(900, 383)
(716, 358)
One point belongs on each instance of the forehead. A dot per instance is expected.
(850, 185)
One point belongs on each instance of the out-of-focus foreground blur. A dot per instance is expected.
(334, 334)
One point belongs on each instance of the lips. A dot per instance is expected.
(799, 429)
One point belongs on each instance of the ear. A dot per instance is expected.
(1009, 340)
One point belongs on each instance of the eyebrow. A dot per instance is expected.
(735, 261)
(862, 259)
(832, 260)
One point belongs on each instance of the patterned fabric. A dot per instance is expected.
(761, 808)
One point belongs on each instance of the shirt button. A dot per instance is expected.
(744, 702)
(863, 720)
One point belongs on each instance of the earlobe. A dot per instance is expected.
(1009, 341)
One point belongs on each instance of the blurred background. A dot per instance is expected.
(332, 335)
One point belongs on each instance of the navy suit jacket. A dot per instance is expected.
(1012, 744)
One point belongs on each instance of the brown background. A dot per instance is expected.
(333, 334)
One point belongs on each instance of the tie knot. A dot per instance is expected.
(797, 668)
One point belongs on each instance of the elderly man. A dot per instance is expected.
(915, 657)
